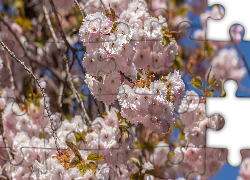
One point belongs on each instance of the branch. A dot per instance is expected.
(14, 34)
(78, 97)
(60, 26)
(129, 79)
(81, 11)
(9, 68)
(68, 75)
(40, 87)
(54, 71)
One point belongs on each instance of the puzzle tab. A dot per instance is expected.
(235, 111)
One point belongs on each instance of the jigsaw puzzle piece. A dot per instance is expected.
(213, 160)
(25, 139)
(224, 137)
(224, 63)
(201, 29)
(193, 54)
(97, 139)
(170, 160)
(219, 29)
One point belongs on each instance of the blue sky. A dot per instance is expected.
(228, 172)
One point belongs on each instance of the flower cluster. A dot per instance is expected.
(142, 122)
(226, 65)
(133, 41)
(27, 130)
(193, 115)
(187, 159)
(117, 49)
(153, 106)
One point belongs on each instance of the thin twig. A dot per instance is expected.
(80, 64)
(62, 33)
(104, 6)
(3, 158)
(14, 34)
(78, 97)
(68, 75)
(40, 87)
(60, 26)
(97, 107)
(129, 79)
(106, 108)
(9, 69)
(50, 68)
(81, 11)
(2, 176)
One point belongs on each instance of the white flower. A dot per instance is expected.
(147, 166)
(200, 113)
(192, 99)
(89, 175)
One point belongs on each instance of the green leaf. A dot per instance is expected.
(123, 122)
(197, 82)
(114, 27)
(104, 114)
(73, 147)
(95, 157)
(83, 97)
(112, 13)
(164, 79)
(212, 82)
(83, 135)
(208, 47)
(134, 176)
(28, 102)
(164, 29)
(36, 100)
(24, 23)
(18, 4)
(41, 136)
(78, 137)
(83, 168)
(164, 40)
(178, 62)
(183, 10)
(181, 136)
(208, 74)
(144, 145)
(119, 116)
(74, 161)
(29, 93)
(136, 162)
(211, 93)
(92, 165)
